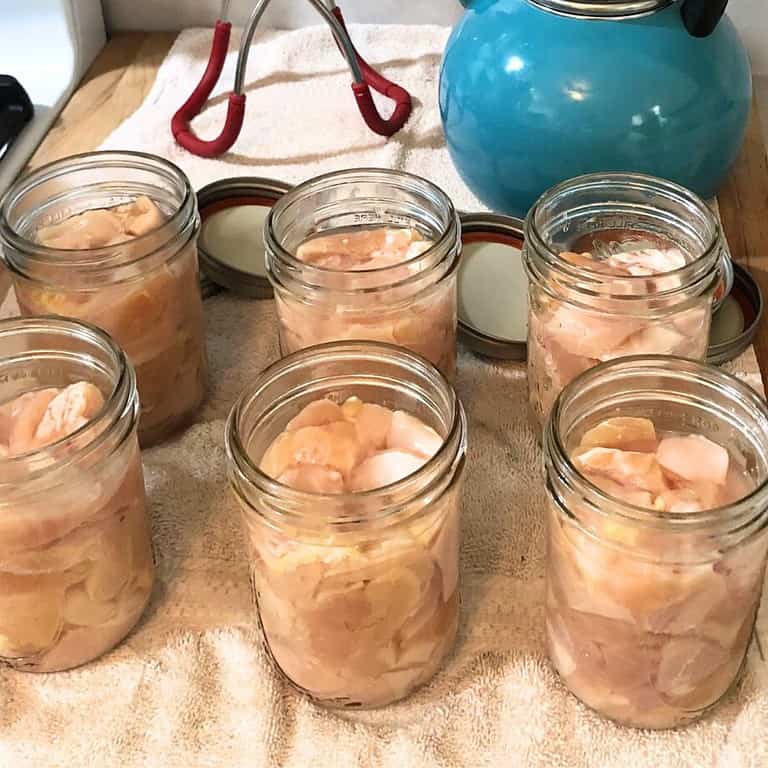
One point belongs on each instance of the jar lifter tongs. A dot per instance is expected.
(363, 75)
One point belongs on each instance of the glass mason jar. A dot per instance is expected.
(357, 593)
(76, 566)
(650, 614)
(411, 304)
(144, 291)
(579, 317)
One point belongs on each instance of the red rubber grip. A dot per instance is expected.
(180, 127)
(380, 84)
(371, 115)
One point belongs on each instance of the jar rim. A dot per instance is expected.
(92, 258)
(392, 497)
(536, 242)
(432, 257)
(737, 515)
(122, 401)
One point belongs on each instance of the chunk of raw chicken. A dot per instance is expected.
(101, 227)
(140, 216)
(68, 411)
(357, 446)
(317, 414)
(383, 469)
(87, 230)
(624, 432)
(36, 419)
(26, 411)
(373, 424)
(360, 249)
(648, 261)
(407, 433)
(694, 458)
(313, 478)
(632, 469)
(332, 445)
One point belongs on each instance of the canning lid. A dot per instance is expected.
(493, 294)
(493, 286)
(736, 320)
(231, 243)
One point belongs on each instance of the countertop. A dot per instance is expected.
(122, 74)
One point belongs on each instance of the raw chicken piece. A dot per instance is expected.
(681, 500)
(383, 469)
(72, 408)
(139, 217)
(317, 414)
(333, 445)
(82, 610)
(621, 432)
(373, 424)
(30, 617)
(631, 469)
(356, 249)
(648, 261)
(313, 478)
(26, 412)
(626, 493)
(588, 335)
(327, 444)
(694, 458)
(103, 226)
(84, 231)
(407, 433)
(652, 340)
(586, 261)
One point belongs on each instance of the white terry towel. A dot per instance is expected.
(192, 685)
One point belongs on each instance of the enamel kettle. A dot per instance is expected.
(536, 91)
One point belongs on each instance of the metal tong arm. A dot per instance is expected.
(363, 75)
(381, 85)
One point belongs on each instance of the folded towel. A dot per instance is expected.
(192, 685)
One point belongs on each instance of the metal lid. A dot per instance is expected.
(231, 243)
(603, 9)
(735, 322)
(492, 286)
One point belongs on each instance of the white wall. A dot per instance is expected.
(751, 16)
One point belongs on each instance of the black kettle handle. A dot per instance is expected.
(702, 16)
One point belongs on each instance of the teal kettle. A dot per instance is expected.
(533, 92)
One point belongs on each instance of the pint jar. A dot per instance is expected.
(76, 565)
(356, 592)
(650, 607)
(133, 275)
(618, 264)
(359, 286)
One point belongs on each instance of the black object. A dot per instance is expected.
(702, 16)
(15, 109)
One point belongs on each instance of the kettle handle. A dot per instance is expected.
(702, 16)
